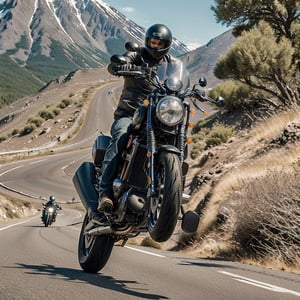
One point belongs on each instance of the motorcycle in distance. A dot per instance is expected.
(149, 187)
(49, 214)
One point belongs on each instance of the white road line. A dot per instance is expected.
(15, 224)
(37, 161)
(7, 171)
(260, 284)
(143, 251)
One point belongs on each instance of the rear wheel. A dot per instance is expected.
(165, 206)
(93, 251)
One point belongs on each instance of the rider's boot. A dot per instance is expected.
(106, 203)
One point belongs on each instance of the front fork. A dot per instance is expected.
(151, 149)
(151, 146)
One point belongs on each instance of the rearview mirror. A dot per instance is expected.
(118, 60)
(132, 47)
(202, 81)
(220, 101)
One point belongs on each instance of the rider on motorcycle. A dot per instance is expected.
(158, 41)
(52, 203)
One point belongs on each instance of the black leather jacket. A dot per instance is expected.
(135, 90)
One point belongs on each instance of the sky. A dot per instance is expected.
(192, 22)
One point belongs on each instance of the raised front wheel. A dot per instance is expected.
(165, 206)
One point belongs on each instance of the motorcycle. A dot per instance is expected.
(149, 187)
(48, 214)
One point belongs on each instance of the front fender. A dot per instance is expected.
(169, 148)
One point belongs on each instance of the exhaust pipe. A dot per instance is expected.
(83, 182)
(107, 230)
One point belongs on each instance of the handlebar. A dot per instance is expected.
(129, 70)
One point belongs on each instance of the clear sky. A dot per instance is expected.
(191, 21)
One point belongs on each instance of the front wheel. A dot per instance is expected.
(93, 251)
(165, 206)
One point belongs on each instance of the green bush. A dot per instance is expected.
(235, 94)
(15, 132)
(56, 111)
(28, 129)
(206, 138)
(38, 121)
(3, 138)
(65, 103)
(47, 114)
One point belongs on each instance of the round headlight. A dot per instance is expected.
(51, 209)
(169, 111)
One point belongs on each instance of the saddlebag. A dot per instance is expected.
(83, 181)
(99, 148)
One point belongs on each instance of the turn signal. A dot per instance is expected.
(189, 141)
(146, 102)
(191, 125)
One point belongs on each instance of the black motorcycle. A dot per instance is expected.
(48, 214)
(150, 184)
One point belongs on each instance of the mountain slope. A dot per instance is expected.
(50, 38)
(201, 61)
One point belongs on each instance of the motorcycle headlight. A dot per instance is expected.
(51, 209)
(169, 111)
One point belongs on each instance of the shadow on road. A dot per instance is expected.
(99, 280)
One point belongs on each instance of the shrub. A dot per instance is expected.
(56, 111)
(234, 93)
(38, 121)
(28, 129)
(267, 218)
(3, 138)
(15, 132)
(65, 102)
(47, 114)
(206, 138)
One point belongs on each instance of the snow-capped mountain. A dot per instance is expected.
(66, 34)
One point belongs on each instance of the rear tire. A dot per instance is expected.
(93, 251)
(165, 207)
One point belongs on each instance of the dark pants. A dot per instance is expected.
(113, 154)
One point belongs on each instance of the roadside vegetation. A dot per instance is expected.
(250, 210)
(34, 122)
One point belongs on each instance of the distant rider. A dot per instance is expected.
(52, 203)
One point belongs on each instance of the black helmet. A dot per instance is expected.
(161, 32)
(52, 198)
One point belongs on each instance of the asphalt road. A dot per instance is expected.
(41, 263)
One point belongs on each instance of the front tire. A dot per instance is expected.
(165, 206)
(93, 251)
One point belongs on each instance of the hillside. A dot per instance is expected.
(42, 40)
(236, 187)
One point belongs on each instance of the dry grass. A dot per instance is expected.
(255, 187)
